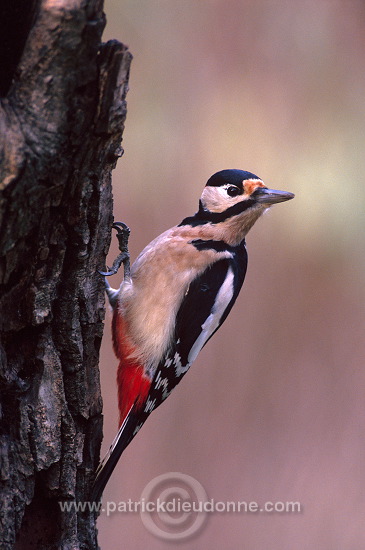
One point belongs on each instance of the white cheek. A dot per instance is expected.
(214, 194)
(215, 199)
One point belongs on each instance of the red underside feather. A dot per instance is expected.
(133, 385)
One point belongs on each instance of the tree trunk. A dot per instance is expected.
(62, 114)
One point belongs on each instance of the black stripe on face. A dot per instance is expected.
(218, 246)
(205, 216)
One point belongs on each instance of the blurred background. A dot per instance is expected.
(273, 409)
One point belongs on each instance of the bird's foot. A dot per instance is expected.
(123, 233)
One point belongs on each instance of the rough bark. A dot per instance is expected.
(61, 125)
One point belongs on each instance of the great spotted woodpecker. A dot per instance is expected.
(179, 291)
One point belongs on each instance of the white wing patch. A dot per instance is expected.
(180, 369)
(137, 428)
(162, 383)
(222, 300)
(150, 405)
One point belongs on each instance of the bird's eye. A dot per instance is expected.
(233, 191)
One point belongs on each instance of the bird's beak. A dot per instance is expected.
(271, 196)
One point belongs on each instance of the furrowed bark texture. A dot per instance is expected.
(61, 125)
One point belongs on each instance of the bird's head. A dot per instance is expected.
(239, 198)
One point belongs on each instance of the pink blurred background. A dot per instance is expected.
(273, 409)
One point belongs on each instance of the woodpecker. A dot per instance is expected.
(175, 297)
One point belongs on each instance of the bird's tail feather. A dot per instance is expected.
(105, 469)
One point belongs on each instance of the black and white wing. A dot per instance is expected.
(207, 303)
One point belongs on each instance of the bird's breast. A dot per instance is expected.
(150, 301)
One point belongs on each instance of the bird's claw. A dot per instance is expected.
(121, 227)
(107, 273)
(123, 233)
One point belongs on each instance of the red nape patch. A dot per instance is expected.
(133, 385)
